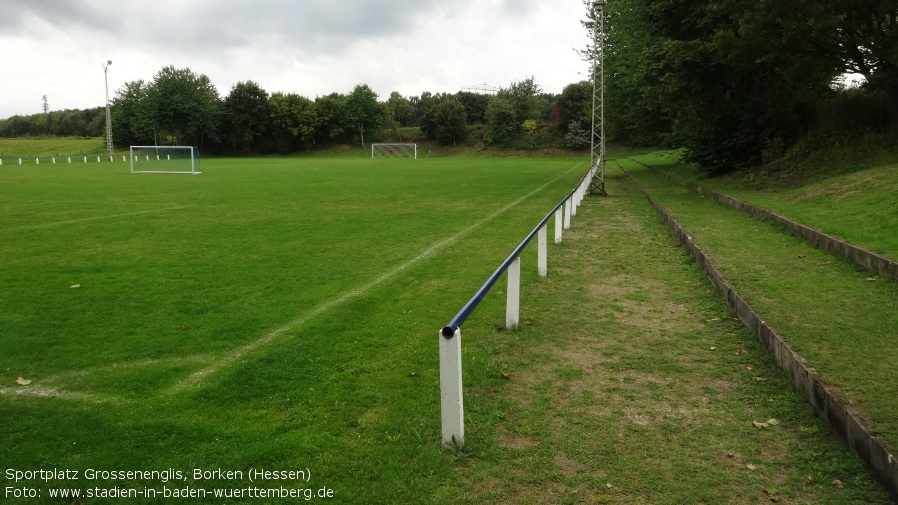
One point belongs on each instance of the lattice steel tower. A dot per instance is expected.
(108, 115)
(597, 142)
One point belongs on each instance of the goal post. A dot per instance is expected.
(164, 160)
(402, 150)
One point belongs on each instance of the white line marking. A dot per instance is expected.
(40, 392)
(47, 388)
(144, 363)
(70, 221)
(128, 203)
(197, 377)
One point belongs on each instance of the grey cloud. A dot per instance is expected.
(319, 26)
(518, 7)
(14, 13)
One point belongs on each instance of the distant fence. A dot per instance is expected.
(75, 158)
(53, 160)
(451, 404)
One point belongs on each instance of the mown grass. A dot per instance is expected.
(840, 318)
(53, 146)
(632, 382)
(300, 267)
(856, 203)
(283, 314)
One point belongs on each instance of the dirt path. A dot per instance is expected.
(638, 385)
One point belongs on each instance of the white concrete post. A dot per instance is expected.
(513, 305)
(98, 159)
(70, 160)
(20, 161)
(542, 255)
(37, 161)
(54, 160)
(567, 213)
(451, 402)
(85, 159)
(558, 218)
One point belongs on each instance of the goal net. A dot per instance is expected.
(394, 151)
(164, 160)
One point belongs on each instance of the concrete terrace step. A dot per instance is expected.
(717, 236)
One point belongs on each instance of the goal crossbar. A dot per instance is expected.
(164, 160)
(406, 149)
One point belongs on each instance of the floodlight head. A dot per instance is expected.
(598, 5)
(109, 62)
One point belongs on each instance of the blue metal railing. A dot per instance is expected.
(451, 395)
(455, 323)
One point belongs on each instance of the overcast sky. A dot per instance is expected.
(309, 47)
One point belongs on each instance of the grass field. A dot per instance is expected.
(282, 314)
(856, 204)
(279, 314)
(54, 146)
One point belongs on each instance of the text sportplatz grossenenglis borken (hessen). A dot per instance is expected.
(65, 483)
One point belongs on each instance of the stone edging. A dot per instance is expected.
(844, 420)
(874, 262)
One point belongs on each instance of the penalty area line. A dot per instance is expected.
(196, 378)
(51, 392)
(95, 218)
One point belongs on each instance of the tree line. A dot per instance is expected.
(181, 107)
(743, 82)
(735, 82)
(59, 123)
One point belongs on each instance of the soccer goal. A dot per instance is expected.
(164, 160)
(394, 151)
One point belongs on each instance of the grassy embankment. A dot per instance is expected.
(284, 314)
(53, 146)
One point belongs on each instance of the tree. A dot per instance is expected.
(18, 126)
(527, 99)
(576, 136)
(575, 102)
(402, 110)
(449, 121)
(294, 122)
(363, 110)
(634, 96)
(424, 106)
(529, 128)
(332, 118)
(132, 123)
(726, 79)
(475, 106)
(184, 107)
(862, 35)
(246, 115)
(501, 121)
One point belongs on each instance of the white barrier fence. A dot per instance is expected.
(77, 159)
(451, 398)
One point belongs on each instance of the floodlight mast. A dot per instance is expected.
(109, 150)
(597, 142)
